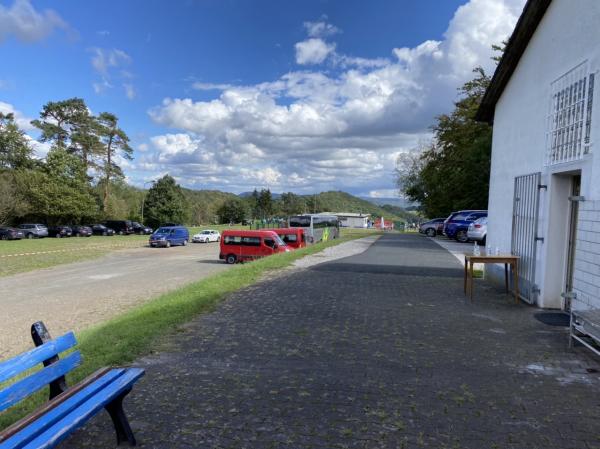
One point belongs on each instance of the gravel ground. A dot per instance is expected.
(78, 295)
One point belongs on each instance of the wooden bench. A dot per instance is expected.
(68, 408)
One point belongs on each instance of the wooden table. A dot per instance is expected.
(507, 260)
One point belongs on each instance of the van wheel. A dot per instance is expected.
(461, 236)
(230, 259)
(218, 239)
(168, 244)
(430, 232)
(184, 242)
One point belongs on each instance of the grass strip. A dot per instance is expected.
(127, 337)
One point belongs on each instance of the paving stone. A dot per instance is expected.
(379, 350)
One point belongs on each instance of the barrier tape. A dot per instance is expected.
(3, 256)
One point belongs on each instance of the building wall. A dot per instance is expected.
(354, 222)
(567, 36)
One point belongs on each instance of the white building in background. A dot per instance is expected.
(544, 200)
(351, 220)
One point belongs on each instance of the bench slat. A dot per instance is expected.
(29, 385)
(49, 417)
(29, 419)
(78, 417)
(12, 367)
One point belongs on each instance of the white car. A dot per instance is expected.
(207, 236)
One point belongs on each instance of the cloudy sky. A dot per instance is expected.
(233, 95)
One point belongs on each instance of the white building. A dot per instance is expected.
(351, 220)
(545, 178)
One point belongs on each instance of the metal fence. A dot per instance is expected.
(524, 231)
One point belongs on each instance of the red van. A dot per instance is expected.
(238, 246)
(293, 237)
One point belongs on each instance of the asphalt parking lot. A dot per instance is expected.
(77, 295)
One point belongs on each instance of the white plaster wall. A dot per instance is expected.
(568, 35)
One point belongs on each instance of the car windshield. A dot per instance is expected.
(205, 232)
(162, 231)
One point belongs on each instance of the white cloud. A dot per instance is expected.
(316, 130)
(109, 64)
(211, 86)
(320, 28)
(27, 24)
(129, 90)
(24, 123)
(313, 51)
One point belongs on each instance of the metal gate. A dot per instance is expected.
(524, 231)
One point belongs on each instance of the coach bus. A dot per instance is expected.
(317, 227)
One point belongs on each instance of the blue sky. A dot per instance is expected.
(235, 95)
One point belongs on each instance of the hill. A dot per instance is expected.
(344, 202)
(204, 204)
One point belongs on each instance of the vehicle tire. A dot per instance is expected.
(430, 232)
(58, 236)
(4, 237)
(120, 232)
(168, 244)
(461, 236)
(185, 243)
(484, 240)
(218, 239)
(230, 259)
(30, 235)
(105, 233)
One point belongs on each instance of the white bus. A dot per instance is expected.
(317, 227)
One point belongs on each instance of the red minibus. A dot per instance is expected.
(238, 246)
(293, 237)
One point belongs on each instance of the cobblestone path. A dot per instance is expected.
(378, 350)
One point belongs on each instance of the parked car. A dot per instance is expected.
(141, 229)
(207, 236)
(34, 231)
(100, 229)
(457, 224)
(121, 227)
(292, 237)
(169, 235)
(238, 246)
(81, 231)
(60, 231)
(433, 227)
(7, 233)
(478, 230)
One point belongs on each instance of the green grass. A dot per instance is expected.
(125, 338)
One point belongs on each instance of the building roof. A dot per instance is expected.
(346, 214)
(531, 17)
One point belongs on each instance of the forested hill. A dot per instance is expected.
(335, 201)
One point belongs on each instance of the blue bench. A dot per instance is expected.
(69, 407)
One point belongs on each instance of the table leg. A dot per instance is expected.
(506, 277)
(465, 279)
(516, 276)
(471, 276)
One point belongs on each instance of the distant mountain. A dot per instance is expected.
(396, 201)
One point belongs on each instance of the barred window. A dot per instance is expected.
(570, 116)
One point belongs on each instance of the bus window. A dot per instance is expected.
(299, 222)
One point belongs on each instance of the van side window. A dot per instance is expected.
(289, 238)
(232, 240)
(251, 241)
(270, 243)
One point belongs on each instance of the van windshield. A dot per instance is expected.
(162, 231)
(279, 241)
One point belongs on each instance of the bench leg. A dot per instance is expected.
(117, 414)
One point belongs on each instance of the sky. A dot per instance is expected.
(303, 96)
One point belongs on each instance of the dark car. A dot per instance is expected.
(34, 230)
(100, 229)
(457, 224)
(121, 227)
(7, 233)
(60, 231)
(433, 227)
(141, 229)
(81, 231)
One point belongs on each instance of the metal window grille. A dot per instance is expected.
(570, 116)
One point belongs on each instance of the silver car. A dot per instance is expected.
(31, 231)
(478, 230)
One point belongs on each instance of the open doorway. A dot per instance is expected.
(572, 241)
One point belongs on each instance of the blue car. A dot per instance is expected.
(170, 235)
(457, 224)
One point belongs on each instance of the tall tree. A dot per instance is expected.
(452, 173)
(69, 125)
(165, 203)
(292, 204)
(234, 210)
(265, 203)
(15, 150)
(115, 142)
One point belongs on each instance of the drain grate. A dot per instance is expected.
(560, 319)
